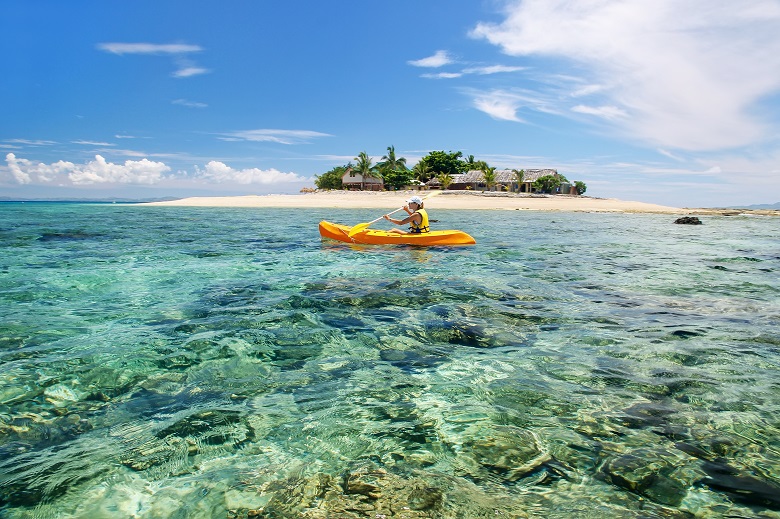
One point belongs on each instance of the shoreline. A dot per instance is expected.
(450, 200)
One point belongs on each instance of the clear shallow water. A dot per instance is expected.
(177, 362)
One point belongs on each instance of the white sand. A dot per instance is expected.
(433, 200)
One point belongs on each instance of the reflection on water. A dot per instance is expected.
(219, 363)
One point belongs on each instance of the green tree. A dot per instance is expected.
(363, 167)
(490, 177)
(391, 162)
(580, 187)
(480, 165)
(331, 179)
(422, 172)
(519, 177)
(547, 183)
(471, 164)
(442, 162)
(397, 178)
(445, 180)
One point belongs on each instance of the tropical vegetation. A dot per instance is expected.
(546, 184)
(440, 165)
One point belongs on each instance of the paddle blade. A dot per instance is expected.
(358, 229)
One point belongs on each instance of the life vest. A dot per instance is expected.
(423, 225)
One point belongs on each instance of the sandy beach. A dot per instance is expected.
(452, 200)
(433, 200)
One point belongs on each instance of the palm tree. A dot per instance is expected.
(422, 171)
(363, 167)
(390, 161)
(519, 176)
(490, 176)
(445, 180)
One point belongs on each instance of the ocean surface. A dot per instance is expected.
(228, 363)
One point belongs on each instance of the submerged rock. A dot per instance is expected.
(743, 488)
(510, 452)
(410, 360)
(370, 492)
(656, 474)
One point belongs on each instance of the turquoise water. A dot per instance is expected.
(184, 362)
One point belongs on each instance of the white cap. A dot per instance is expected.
(415, 200)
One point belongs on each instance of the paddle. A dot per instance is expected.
(363, 226)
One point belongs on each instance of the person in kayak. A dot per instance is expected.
(417, 219)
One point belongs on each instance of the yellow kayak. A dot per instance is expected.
(338, 232)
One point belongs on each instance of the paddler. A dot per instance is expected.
(417, 219)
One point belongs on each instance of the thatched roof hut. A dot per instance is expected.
(505, 178)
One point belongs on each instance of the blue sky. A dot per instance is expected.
(672, 101)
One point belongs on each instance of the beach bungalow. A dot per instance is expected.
(506, 180)
(352, 180)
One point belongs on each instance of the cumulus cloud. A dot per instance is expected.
(98, 171)
(222, 173)
(439, 59)
(680, 74)
(28, 172)
(271, 135)
(136, 172)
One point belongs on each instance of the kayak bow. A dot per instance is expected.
(338, 232)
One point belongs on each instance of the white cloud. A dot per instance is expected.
(148, 48)
(443, 75)
(99, 171)
(185, 68)
(439, 59)
(31, 143)
(605, 112)
(190, 71)
(93, 143)
(482, 71)
(499, 105)
(271, 135)
(491, 69)
(687, 74)
(221, 173)
(28, 172)
(189, 104)
(669, 154)
(95, 172)
(586, 90)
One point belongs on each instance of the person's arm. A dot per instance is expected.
(406, 220)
